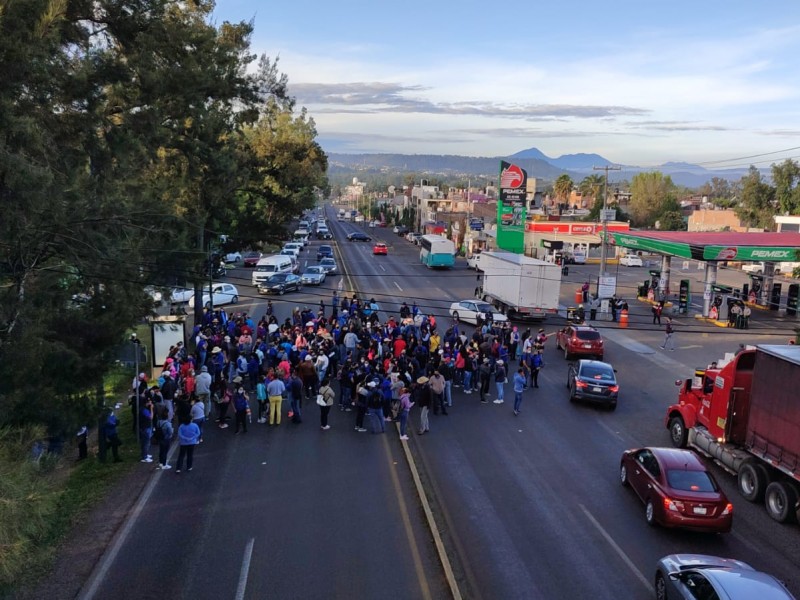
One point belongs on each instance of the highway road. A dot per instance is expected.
(528, 506)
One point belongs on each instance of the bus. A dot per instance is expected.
(437, 251)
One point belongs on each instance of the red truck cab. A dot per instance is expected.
(712, 398)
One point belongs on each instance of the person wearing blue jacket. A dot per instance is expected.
(188, 438)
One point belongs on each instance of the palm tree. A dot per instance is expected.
(563, 188)
(591, 186)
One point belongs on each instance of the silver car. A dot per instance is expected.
(693, 576)
(313, 275)
(329, 265)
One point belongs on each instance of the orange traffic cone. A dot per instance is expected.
(623, 318)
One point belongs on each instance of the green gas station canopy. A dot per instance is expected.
(713, 246)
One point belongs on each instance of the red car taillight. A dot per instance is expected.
(613, 388)
(673, 505)
(581, 384)
(728, 509)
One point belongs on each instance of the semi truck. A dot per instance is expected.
(744, 413)
(519, 286)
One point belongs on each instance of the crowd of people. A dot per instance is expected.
(341, 357)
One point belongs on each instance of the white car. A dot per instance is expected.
(181, 295)
(468, 311)
(224, 293)
(231, 257)
(631, 260)
(294, 248)
(359, 219)
(474, 262)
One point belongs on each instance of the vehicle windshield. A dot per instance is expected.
(314, 270)
(587, 335)
(278, 278)
(483, 307)
(327, 262)
(599, 373)
(325, 249)
(690, 481)
(265, 268)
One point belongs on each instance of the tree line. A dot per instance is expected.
(132, 135)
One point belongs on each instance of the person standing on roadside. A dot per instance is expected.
(519, 387)
(202, 387)
(484, 377)
(261, 398)
(500, 380)
(328, 395)
(240, 405)
(437, 385)
(188, 438)
(657, 310)
(112, 437)
(275, 389)
(146, 431)
(198, 415)
(422, 398)
(164, 426)
(405, 408)
(668, 331)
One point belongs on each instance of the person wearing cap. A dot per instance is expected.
(500, 380)
(375, 405)
(437, 385)
(519, 387)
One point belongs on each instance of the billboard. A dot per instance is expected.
(511, 208)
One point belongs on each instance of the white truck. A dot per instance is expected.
(519, 286)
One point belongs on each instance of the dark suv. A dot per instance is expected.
(594, 381)
(325, 251)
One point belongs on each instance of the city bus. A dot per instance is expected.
(437, 251)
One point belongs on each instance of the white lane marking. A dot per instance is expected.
(99, 574)
(398, 287)
(382, 269)
(248, 554)
(616, 548)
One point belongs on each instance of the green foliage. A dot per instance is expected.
(652, 193)
(786, 177)
(757, 205)
(125, 143)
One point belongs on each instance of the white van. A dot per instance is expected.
(270, 265)
(301, 236)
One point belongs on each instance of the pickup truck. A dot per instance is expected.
(785, 268)
(755, 267)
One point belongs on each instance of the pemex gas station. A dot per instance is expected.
(715, 249)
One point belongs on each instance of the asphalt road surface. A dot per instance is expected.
(528, 506)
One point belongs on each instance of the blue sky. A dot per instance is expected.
(640, 83)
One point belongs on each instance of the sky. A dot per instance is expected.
(641, 83)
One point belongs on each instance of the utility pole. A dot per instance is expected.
(604, 245)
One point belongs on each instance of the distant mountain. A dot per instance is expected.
(533, 160)
(436, 164)
(580, 162)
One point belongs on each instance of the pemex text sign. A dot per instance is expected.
(511, 208)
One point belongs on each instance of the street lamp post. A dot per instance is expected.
(136, 344)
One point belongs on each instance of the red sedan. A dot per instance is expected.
(676, 489)
(580, 340)
(380, 248)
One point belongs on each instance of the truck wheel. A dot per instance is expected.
(677, 432)
(781, 501)
(753, 480)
